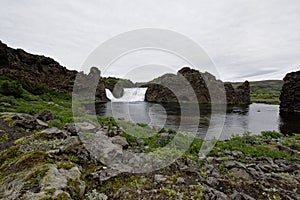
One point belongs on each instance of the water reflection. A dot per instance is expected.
(289, 123)
(239, 118)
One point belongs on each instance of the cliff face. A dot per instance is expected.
(159, 89)
(239, 95)
(290, 93)
(20, 65)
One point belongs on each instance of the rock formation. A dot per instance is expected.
(290, 93)
(162, 89)
(20, 65)
(239, 95)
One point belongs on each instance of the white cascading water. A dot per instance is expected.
(129, 95)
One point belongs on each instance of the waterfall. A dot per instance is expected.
(129, 95)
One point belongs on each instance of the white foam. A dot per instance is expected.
(129, 95)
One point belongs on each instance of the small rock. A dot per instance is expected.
(241, 173)
(120, 141)
(212, 181)
(159, 178)
(105, 174)
(71, 127)
(111, 133)
(6, 105)
(211, 193)
(68, 142)
(180, 180)
(85, 126)
(45, 116)
(54, 132)
(229, 164)
(164, 134)
(105, 129)
(237, 153)
(28, 122)
(52, 104)
(247, 197)
(41, 123)
(54, 121)
(140, 142)
(236, 195)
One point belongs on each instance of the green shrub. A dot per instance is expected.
(11, 88)
(271, 134)
(34, 87)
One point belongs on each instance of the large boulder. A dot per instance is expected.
(290, 93)
(189, 83)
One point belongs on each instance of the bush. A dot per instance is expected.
(34, 87)
(271, 134)
(11, 88)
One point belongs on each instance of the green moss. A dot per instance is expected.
(9, 155)
(22, 140)
(65, 165)
(3, 137)
(20, 161)
(37, 175)
(120, 182)
(62, 196)
(170, 193)
(223, 169)
(72, 189)
(11, 88)
(71, 156)
(255, 145)
(271, 134)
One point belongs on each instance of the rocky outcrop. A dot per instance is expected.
(290, 93)
(241, 94)
(188, 82)
(20, 65)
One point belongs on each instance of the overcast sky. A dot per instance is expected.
(251, 40)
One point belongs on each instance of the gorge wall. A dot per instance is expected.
(23, 66)
(160, 89)
(290, 93)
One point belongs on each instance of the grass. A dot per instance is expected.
(254, 145)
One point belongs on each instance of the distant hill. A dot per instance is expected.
(267, 91)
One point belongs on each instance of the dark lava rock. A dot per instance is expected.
(45, 116)
(290, 93)
(29, 68)
(239, 95)
(192, 85)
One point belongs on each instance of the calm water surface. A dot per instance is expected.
(238, 118)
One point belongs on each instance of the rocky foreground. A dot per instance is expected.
(41, 161)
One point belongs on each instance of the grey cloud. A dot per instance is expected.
(245, 39)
